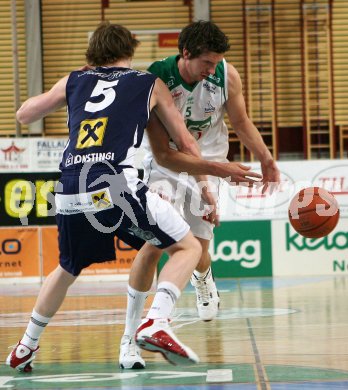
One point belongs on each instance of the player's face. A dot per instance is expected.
(201, 67)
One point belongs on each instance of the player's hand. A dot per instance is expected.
(238, 174)
(211, 215)
(270, 176)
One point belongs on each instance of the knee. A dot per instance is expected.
(190, 245)
(149, 254)
(63, 276)
(195, 247)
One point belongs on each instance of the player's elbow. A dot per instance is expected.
(163, 158)
(189, 146)
(22, 117)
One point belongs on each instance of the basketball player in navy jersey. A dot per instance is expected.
(100, 196)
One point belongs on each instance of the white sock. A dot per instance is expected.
(35, 327)
(135, 307)
(201, 275)
(163, 303)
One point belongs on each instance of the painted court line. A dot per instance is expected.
(219, 375)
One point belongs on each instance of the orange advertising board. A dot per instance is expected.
(19, 252)
(168, 39)
(124, 256)
(50, 253)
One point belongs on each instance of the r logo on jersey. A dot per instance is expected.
(91, 133)
(101, 200)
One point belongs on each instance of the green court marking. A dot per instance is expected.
(76, 375)
(291, 373)
(108, 375)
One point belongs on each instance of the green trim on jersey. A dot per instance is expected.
(167, 70)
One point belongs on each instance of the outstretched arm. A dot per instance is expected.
(179, 161)
(247, 131)
(39, 106)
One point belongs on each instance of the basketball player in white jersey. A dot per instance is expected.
(204, 87)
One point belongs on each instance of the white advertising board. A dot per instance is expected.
(35, 154)
(15, 154)
(293, 254)
(242, 203)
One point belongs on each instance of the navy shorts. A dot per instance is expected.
(91, 212)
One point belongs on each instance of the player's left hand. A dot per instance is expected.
(270, 176)
(212, 215)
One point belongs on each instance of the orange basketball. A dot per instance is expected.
(314, 212)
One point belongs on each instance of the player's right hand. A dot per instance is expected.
(238, 174)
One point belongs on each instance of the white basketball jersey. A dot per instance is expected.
(201, 105)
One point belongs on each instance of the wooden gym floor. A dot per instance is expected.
(280, 333)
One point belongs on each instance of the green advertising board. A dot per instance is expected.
(240, 249)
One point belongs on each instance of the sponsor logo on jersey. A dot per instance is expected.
(209, 87)
(177, 94)
(79, 204)
(91, 133)
(213, 77)
(198, 125)
(91, 157)
(84, 202)
(101, 200)
(209, 109)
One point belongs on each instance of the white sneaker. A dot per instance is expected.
(208, 299)
(130, 357)
(156, 336)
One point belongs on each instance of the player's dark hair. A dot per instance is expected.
(110, 43)
(199, 37)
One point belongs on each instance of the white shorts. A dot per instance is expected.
(184, 193)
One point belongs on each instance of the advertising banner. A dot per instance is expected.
(15, 154)
(27, 198)
(34, 154)
(294, 254)
(46, 153)
(242, 249)
(254, 239)
(168, 39)
(242, 203)
(19, 252)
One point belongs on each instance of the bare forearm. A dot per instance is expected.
(178, 161)
(31, 110)
(39, 106)
(191, 155)
(250, 136)
(181, 162)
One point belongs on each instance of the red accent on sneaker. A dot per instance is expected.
(18, 357)
(146, 324)
(155, 335)
(163, 340)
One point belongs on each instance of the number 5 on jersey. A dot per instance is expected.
(92, 131)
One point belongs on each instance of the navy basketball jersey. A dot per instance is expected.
(108, 109)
